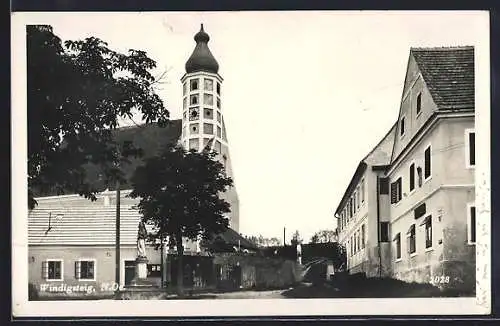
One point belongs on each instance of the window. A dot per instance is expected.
(85, 270)
(427, 166)
(184, 103)
(208, 113)
(363, 190)
(428, 231)
(352, 247)
(218, 147)
(194, 99)
(470, 150)
(194, 143)
(419, 175)
(209, 85)
(411, 239)
(52, 270)
(355, 242)
(194, 128)
(363, 236)
(397, 239)
(384, 231)
(412, 177)
(402, 126)
(471, 224)
(184, 89)
(154, 270)
(208, 99)
(208, 128)
(396, 191)
(219, 117)
(218, 88)
(357, 198)
(194, 114)
(219, 131)
(218, 103)
(354, 203)
(419, 103)
(383, 186)
(350, 207)
(194, 84)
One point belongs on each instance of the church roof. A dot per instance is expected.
(449, 74)
(149, 137)
(202, 59)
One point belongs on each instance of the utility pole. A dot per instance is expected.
(117, 240)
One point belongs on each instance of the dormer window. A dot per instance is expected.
(419, 103)
(402, 127)
(194, 84)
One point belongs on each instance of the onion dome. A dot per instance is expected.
(202, 59)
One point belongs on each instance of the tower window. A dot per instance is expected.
(194, 143)
(184, 114)
(218, 147)
(184, 89)
(208, 113)
(194, 99)
(218, 88)
(208, 128)
(219, 116)
(208, 99)
(218, 103)
(194, 114)
(194, 84)
(184, 103)
(209, 85)
(194, 128)
(219, 131)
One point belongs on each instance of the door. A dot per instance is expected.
(129, 271)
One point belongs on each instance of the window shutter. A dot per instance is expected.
(400, 189)
(412, 177)
(394, 192)
(45, 270)
(78, 269)
(427, 166)
(472, 148)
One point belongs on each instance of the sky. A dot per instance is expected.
(306, 95)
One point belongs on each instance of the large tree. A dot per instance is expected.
(179, 196)
(77, 92)
(324, 236)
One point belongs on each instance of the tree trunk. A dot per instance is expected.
(180, 267)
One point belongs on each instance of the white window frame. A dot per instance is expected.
(62, 269)
(469, 229)
(467, 148)
(403, 118)
(431, 158)
(80, 260)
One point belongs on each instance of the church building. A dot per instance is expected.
(71, 240)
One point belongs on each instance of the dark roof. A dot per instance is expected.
(202, 59)
(149, 137)
(227, 241)
(449, 74)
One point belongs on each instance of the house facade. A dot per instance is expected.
(430, 174)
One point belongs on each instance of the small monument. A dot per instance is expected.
(141, 262)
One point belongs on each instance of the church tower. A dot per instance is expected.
(202, 117)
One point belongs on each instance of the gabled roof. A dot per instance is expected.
(449, 75)
(380, 155)
(149, 137)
